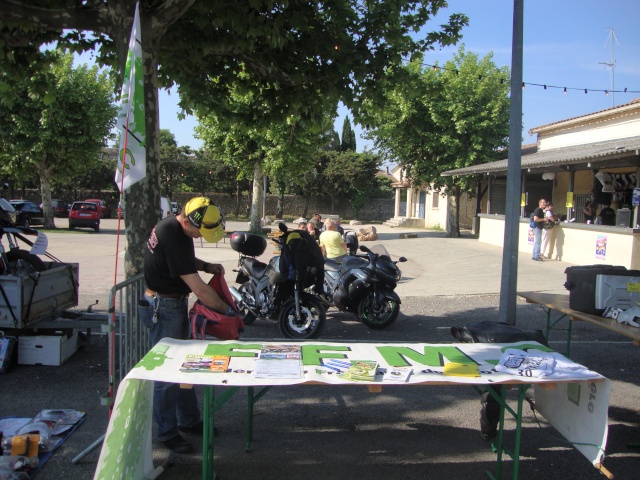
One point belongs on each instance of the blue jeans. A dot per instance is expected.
(172, 405)
(537, 240)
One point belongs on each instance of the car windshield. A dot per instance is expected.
(85, 206)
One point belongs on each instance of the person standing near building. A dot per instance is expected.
(331, 242)
(171, 274)
(539, 220)
(589, 213)
(548, 232)
(607, 215)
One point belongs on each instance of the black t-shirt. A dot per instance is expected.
(169, 254)
(608, 215)
(538, 212)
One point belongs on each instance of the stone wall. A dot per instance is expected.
(377, 209)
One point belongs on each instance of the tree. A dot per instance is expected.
(352, 175)
(442, 119)
(287, 50)
(348, 136)
(61, 135)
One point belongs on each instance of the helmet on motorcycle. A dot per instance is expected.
(7, 213)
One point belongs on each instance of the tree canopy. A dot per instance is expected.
(288, 51)
(62, 134)
(442, 119)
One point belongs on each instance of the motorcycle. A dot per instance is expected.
(364, 285)
(275, 290)
(16, 261)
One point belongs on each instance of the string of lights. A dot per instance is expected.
(545, 86)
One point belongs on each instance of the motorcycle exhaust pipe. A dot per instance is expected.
(237, 297)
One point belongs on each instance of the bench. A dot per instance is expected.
(560, 303)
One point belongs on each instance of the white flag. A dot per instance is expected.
(131, 116)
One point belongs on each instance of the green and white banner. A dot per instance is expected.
(132, 164)
(575, 401)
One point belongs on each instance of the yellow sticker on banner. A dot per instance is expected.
(461, 369)
(633, 287)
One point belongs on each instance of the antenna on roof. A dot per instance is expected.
(612, 63)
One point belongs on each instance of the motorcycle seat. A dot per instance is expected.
(331, 266)
(256, 268)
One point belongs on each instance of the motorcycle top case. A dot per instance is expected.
(581, 283)
(248, 244)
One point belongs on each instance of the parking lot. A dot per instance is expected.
(312, 432)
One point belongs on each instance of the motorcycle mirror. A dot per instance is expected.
(364, 249)
(402, 259)
(282, 227)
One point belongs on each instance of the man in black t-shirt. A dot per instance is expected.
(607, 215)
(539, 219)
(171, 274)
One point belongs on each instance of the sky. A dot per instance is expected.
(566, 43)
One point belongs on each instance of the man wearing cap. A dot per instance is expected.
(171, 274)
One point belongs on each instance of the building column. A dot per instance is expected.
(396, 209)
(409, 202)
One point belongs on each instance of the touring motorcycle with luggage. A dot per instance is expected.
(276, 290)
(364, 285)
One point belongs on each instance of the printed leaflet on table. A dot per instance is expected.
(279, 361)
(361, 371)
(205, 363)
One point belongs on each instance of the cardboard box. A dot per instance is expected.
(53, 348)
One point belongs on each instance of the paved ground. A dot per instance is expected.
(312, 432)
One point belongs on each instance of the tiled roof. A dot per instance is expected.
(617, 153)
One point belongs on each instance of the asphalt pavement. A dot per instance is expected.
(312, 432)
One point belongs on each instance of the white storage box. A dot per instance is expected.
(51, 349)
(618, 291)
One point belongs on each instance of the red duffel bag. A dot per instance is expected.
(207, 321)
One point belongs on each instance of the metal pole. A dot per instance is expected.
(508, 284)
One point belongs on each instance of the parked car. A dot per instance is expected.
(175, 208)
(27, 213)
(165, 207)
(84, 215)
(105, 210)
(60, 208)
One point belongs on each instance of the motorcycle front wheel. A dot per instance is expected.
(311, 321)
(378, 315)
(22, 263)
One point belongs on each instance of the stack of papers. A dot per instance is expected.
(279, 361)
(361, 371)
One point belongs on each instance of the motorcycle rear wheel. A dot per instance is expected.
(377, 316)
(22, 263)
(311, 323)
(247, 291)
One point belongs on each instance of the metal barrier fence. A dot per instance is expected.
(128, 340)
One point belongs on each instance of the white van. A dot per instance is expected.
(165, 207)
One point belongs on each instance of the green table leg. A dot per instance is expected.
(500, 447)
(208, 472)
(551, 324)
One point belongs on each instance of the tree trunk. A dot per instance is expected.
(256, 201)
(280, 207)
(45, 193)
(307, 201)
(238, 195)
(453, 212)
